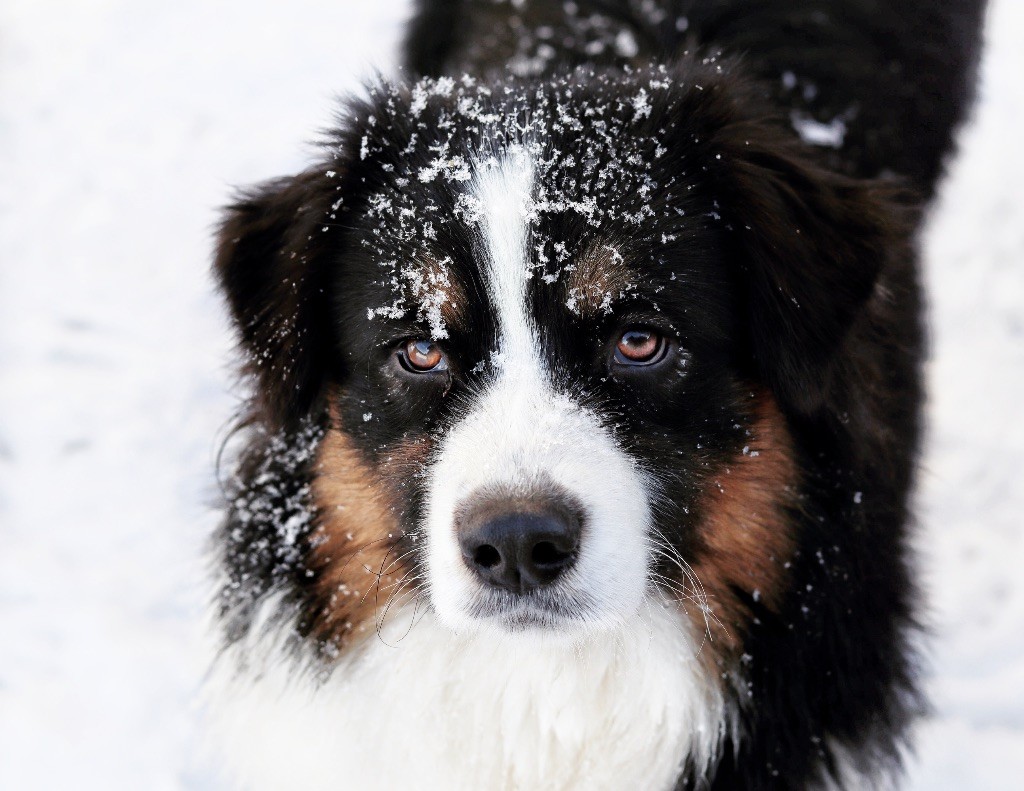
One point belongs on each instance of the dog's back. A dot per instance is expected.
(879, 85)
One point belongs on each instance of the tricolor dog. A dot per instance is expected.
(585, 404)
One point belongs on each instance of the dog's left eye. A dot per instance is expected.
(640, 346)
(422, 356)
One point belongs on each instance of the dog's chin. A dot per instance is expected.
(530, 617)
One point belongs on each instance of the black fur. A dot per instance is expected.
(900, 73)
(800, 272)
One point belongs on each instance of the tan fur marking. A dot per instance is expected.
(597, 278)
(430, 284)
(356, 559)
(747, 538)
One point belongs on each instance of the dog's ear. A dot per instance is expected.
(810, 246)
(268, 266)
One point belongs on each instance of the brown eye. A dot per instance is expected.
(420, 356)
(640, 347)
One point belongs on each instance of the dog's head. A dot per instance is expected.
(557, 335)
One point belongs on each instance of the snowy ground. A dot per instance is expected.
(122, 125)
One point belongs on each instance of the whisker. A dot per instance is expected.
(417, 596)
(663, 548)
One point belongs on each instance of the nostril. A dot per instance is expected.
(546, 554)
(521, 543)
(486, 556)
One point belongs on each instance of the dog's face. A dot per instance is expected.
(555, 333)
(546, 365)
(545, 309)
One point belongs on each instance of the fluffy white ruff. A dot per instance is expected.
(428, 709)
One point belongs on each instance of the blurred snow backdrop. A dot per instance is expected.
(122, 126)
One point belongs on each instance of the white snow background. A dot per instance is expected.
(123, 126)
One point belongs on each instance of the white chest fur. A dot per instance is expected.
(426, 708)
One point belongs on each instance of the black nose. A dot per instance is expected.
(520, 550)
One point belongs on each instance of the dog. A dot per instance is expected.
(585, 377)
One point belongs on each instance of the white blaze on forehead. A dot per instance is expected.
(503, 192)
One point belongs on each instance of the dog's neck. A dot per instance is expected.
(418, 706)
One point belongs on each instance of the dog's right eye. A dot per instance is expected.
(421, 356)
